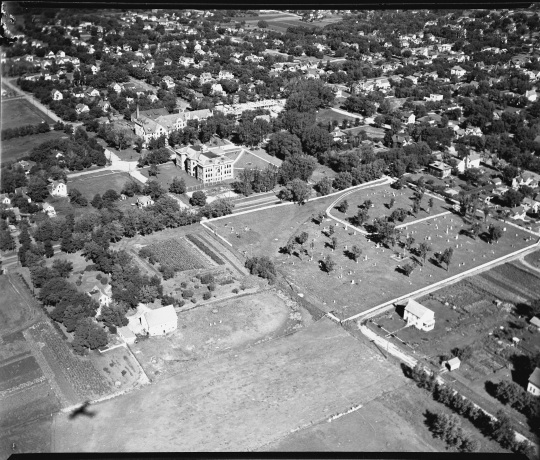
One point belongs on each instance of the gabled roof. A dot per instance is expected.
(535, 377)
(161, 316)
(417, 309)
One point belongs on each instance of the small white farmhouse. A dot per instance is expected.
(534, 382)
(160, 321)
(58, 188)
(419, 316)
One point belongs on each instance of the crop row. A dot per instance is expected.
(519, 277)
(204, 248)
(81, 374)
(175, 254)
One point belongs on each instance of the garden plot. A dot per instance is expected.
(176, 254)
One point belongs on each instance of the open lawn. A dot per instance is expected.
(329, 115)
(167, 172)
(377, 276)
(533, 258)
(99, 182)
(20, 112)
(322, 171)
(19, 147)
(394, 422)
(17, 305)
(293, 381)
(381, 197)
(371, 131)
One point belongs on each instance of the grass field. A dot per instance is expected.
(376, 279)
(381, 197)
(394, 422)
(19, 112)
(533, 258)
(99, 182)
(17, 304)
(19, 147)
(294, 381)
(329, 115)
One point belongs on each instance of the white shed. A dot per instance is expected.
(453, 364)
(160, 321)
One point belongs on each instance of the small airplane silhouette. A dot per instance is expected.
(82, 410)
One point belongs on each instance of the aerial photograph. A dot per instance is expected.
(286, 231)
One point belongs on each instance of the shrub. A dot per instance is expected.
(212, 287)
(235, 291)
(263, 267)
(193, 300)
(207, 295)
(104, 280)
(187, 293)
(183, 285)
(112, 329)
(207, 278)
(98, 276)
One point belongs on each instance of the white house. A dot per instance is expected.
(56, 95)
(159, 321)
(49, 209)
(81, 108)
(458, 71)
(225, 75)
(58, 188)
(534, 383)
(435, 97)
(419, 316)
(453, 364)
(471, 161)
(217, 88)
(144, 201)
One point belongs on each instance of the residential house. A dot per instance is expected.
(58, 188)
(216, 88)
(49, 209)
(92, 92)
(225, 75)
(102, 296)
(126, 335)
(104, 106)
(534, 382)
(418, 316)
(81, 108)
(434, 97)
(5, 199)
(518, 213)
(116, 87)
(440, 169)
(531, 95)
(168, 62)
(168, 80)
(160, 321)
(144, 201)
(471, 161)
(413, 79)
(408, 118)
(458, 71)
(205, 77)
(56, 95)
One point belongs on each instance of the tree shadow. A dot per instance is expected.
(521, 369)
(82, 410)
(429, 419)
(407, 371)
(490, 388)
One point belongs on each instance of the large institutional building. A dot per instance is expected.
(154, 123)
(208, 164)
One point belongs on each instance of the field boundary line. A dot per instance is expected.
(450, 280)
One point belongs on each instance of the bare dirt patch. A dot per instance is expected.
(214, 328)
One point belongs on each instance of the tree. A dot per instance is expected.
(178, 186)
(63, 267)
(37, 189)
(329, 264)
(486, 210)
(262, 24)
(423, 249)
(110, 196)
(148, 293)
(334, 242)
(343, 206)
(7, 242)
(430, 204)
(408, 268)
(495, 232)
(262, 267)
(503, 431)
(154, 189)
(356, 252)
(297, 167)
(131, 188)
(316, 140)
(361, 217)
(198, 198)
(97, 201)
(392, 202)
(88, 335)
(343, 180)
(76, 197)
(284, 145)
(512, 198)
(297, 191)
(398, 214)
(446, 257)
(324, 186)
(153, 170)
(409, 241)
(475, 229)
